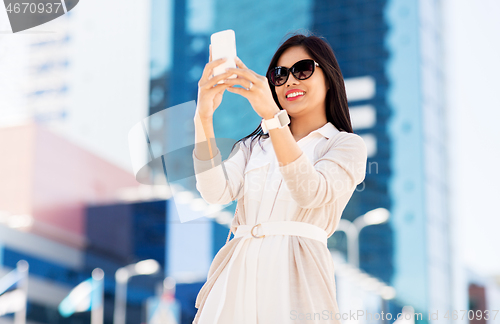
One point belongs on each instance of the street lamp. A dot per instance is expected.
(352, 229)
(22, 268)
(122, 276)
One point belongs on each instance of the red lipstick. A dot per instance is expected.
(296, 97)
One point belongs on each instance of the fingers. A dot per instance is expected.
(244, 72)
(239, 91)
(213, 81)
(209, 67)
(241, 65)
(218, 88)
(210, 51)
(238, 81)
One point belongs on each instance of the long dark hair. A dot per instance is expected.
(318, 48)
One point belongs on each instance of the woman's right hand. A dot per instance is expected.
(209, 92)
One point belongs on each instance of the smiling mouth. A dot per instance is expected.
(295, 94)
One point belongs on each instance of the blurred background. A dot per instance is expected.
(421, 231)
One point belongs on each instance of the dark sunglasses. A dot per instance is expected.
(301, 70)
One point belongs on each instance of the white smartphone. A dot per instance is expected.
(224, 45)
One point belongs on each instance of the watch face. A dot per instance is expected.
(283, 118)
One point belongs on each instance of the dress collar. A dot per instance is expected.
(328, 130)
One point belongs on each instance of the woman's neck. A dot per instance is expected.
(301, 127)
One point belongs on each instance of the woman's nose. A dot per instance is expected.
(291, 80)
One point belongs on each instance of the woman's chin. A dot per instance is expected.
(294, 111)
(294, 106)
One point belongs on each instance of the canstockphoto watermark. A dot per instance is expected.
(25, 14)
(365, 315)
(351, 315)
(160, 160)
(341, 178)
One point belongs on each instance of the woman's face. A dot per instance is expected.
(313, 89)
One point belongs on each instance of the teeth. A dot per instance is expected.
(295, 94)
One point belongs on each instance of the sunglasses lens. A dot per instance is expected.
(303, 69)
(278, 76)
(300, 70)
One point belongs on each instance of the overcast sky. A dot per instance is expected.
(472, 34)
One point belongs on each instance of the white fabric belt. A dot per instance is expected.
(259, 231)
(282, 228)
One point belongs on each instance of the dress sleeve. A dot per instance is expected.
(221, 182)
(333, 175)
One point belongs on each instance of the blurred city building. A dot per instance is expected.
(47, 182)
(72, 75)
(124, 233)
(483, 299)
(68, 98)
(67, 211)
(397, 44)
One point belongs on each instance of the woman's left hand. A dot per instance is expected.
(255, 88)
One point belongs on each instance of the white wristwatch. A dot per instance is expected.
(279, 120)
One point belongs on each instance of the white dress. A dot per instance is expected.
(279, 278)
